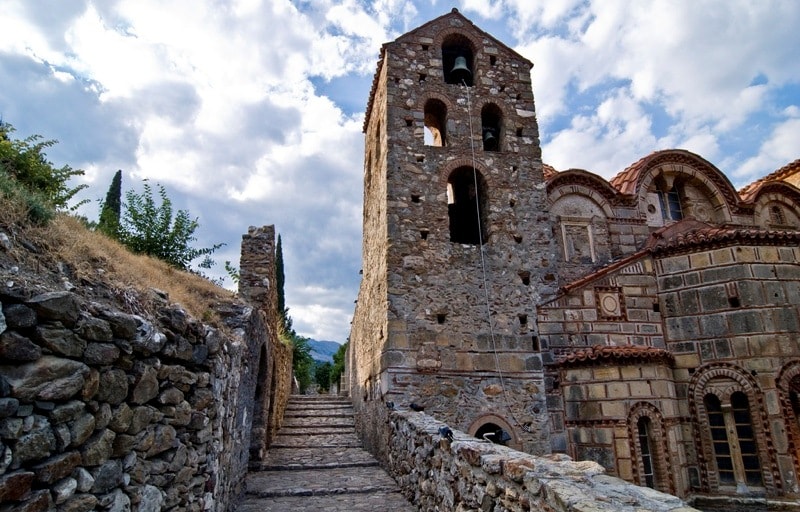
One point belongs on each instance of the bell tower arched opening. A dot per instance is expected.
(458, 62)
(466, 206)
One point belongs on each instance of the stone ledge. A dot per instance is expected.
(466, 472)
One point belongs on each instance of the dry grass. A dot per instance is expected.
(95, 259)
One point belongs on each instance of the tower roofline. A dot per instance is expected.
(454, 13)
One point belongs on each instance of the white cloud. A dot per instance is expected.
(778, 150)
(239, 111)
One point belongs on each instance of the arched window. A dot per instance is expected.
(457, 60)
(466, 206)
(435, 123)
(491, 121)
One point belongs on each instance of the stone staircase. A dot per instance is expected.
(316, 463)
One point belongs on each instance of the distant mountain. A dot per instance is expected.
(323, 351)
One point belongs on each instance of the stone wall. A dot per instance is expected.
(273, 379)
(104, 409)
(467, 474)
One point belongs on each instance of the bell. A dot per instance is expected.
(489, 139)
(460, 70)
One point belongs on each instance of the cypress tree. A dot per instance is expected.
(280, 280)
(112, 206)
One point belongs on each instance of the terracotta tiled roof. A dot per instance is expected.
(626, 354)
(549, 172)
(724, 236)
(598, 273)
(626, 180)
(749, 191)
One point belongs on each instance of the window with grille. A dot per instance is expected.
(670, 200)
(747, 441)
(645, 446)
(719, 440)
(733, 440)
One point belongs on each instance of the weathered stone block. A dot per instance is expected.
(48, 378)
(113, 386)
(57, 467)
(59, 340)
(101, 353)
(106, 477)
(14, 486)
(79, 503)
(16, 347)
(59, 306)
(98, 448)
(34, 445)
(19, 316)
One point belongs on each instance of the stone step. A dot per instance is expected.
(322, 421)
(361, 502)
(298, 458)
(318, 407)
(316, 440)
(341, 413)
(317, 399)
(311, 482)
(316, 429)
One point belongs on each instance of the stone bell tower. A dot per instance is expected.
(457, 244)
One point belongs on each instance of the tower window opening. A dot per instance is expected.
(491, 121)
(415, 198)
(519, 132)
(523, 319)
(535, 344)
(457, 60)
(423, 233)
(493, 60)
(466, 206)
(440, 318)
(525, 276)
(435, 123)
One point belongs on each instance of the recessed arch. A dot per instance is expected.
(490, 422)
(651, 464)
(491, 127)
(721, 382)
(788, 384)
(435, 120)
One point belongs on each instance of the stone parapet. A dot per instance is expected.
(468, 474)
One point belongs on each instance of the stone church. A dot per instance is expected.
(649, 323)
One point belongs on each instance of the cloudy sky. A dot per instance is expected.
(249, 112)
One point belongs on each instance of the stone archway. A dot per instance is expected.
(489, 425)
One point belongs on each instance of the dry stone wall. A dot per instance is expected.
(468, 474)
(102, 409)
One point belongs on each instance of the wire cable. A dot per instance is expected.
(483, 262)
